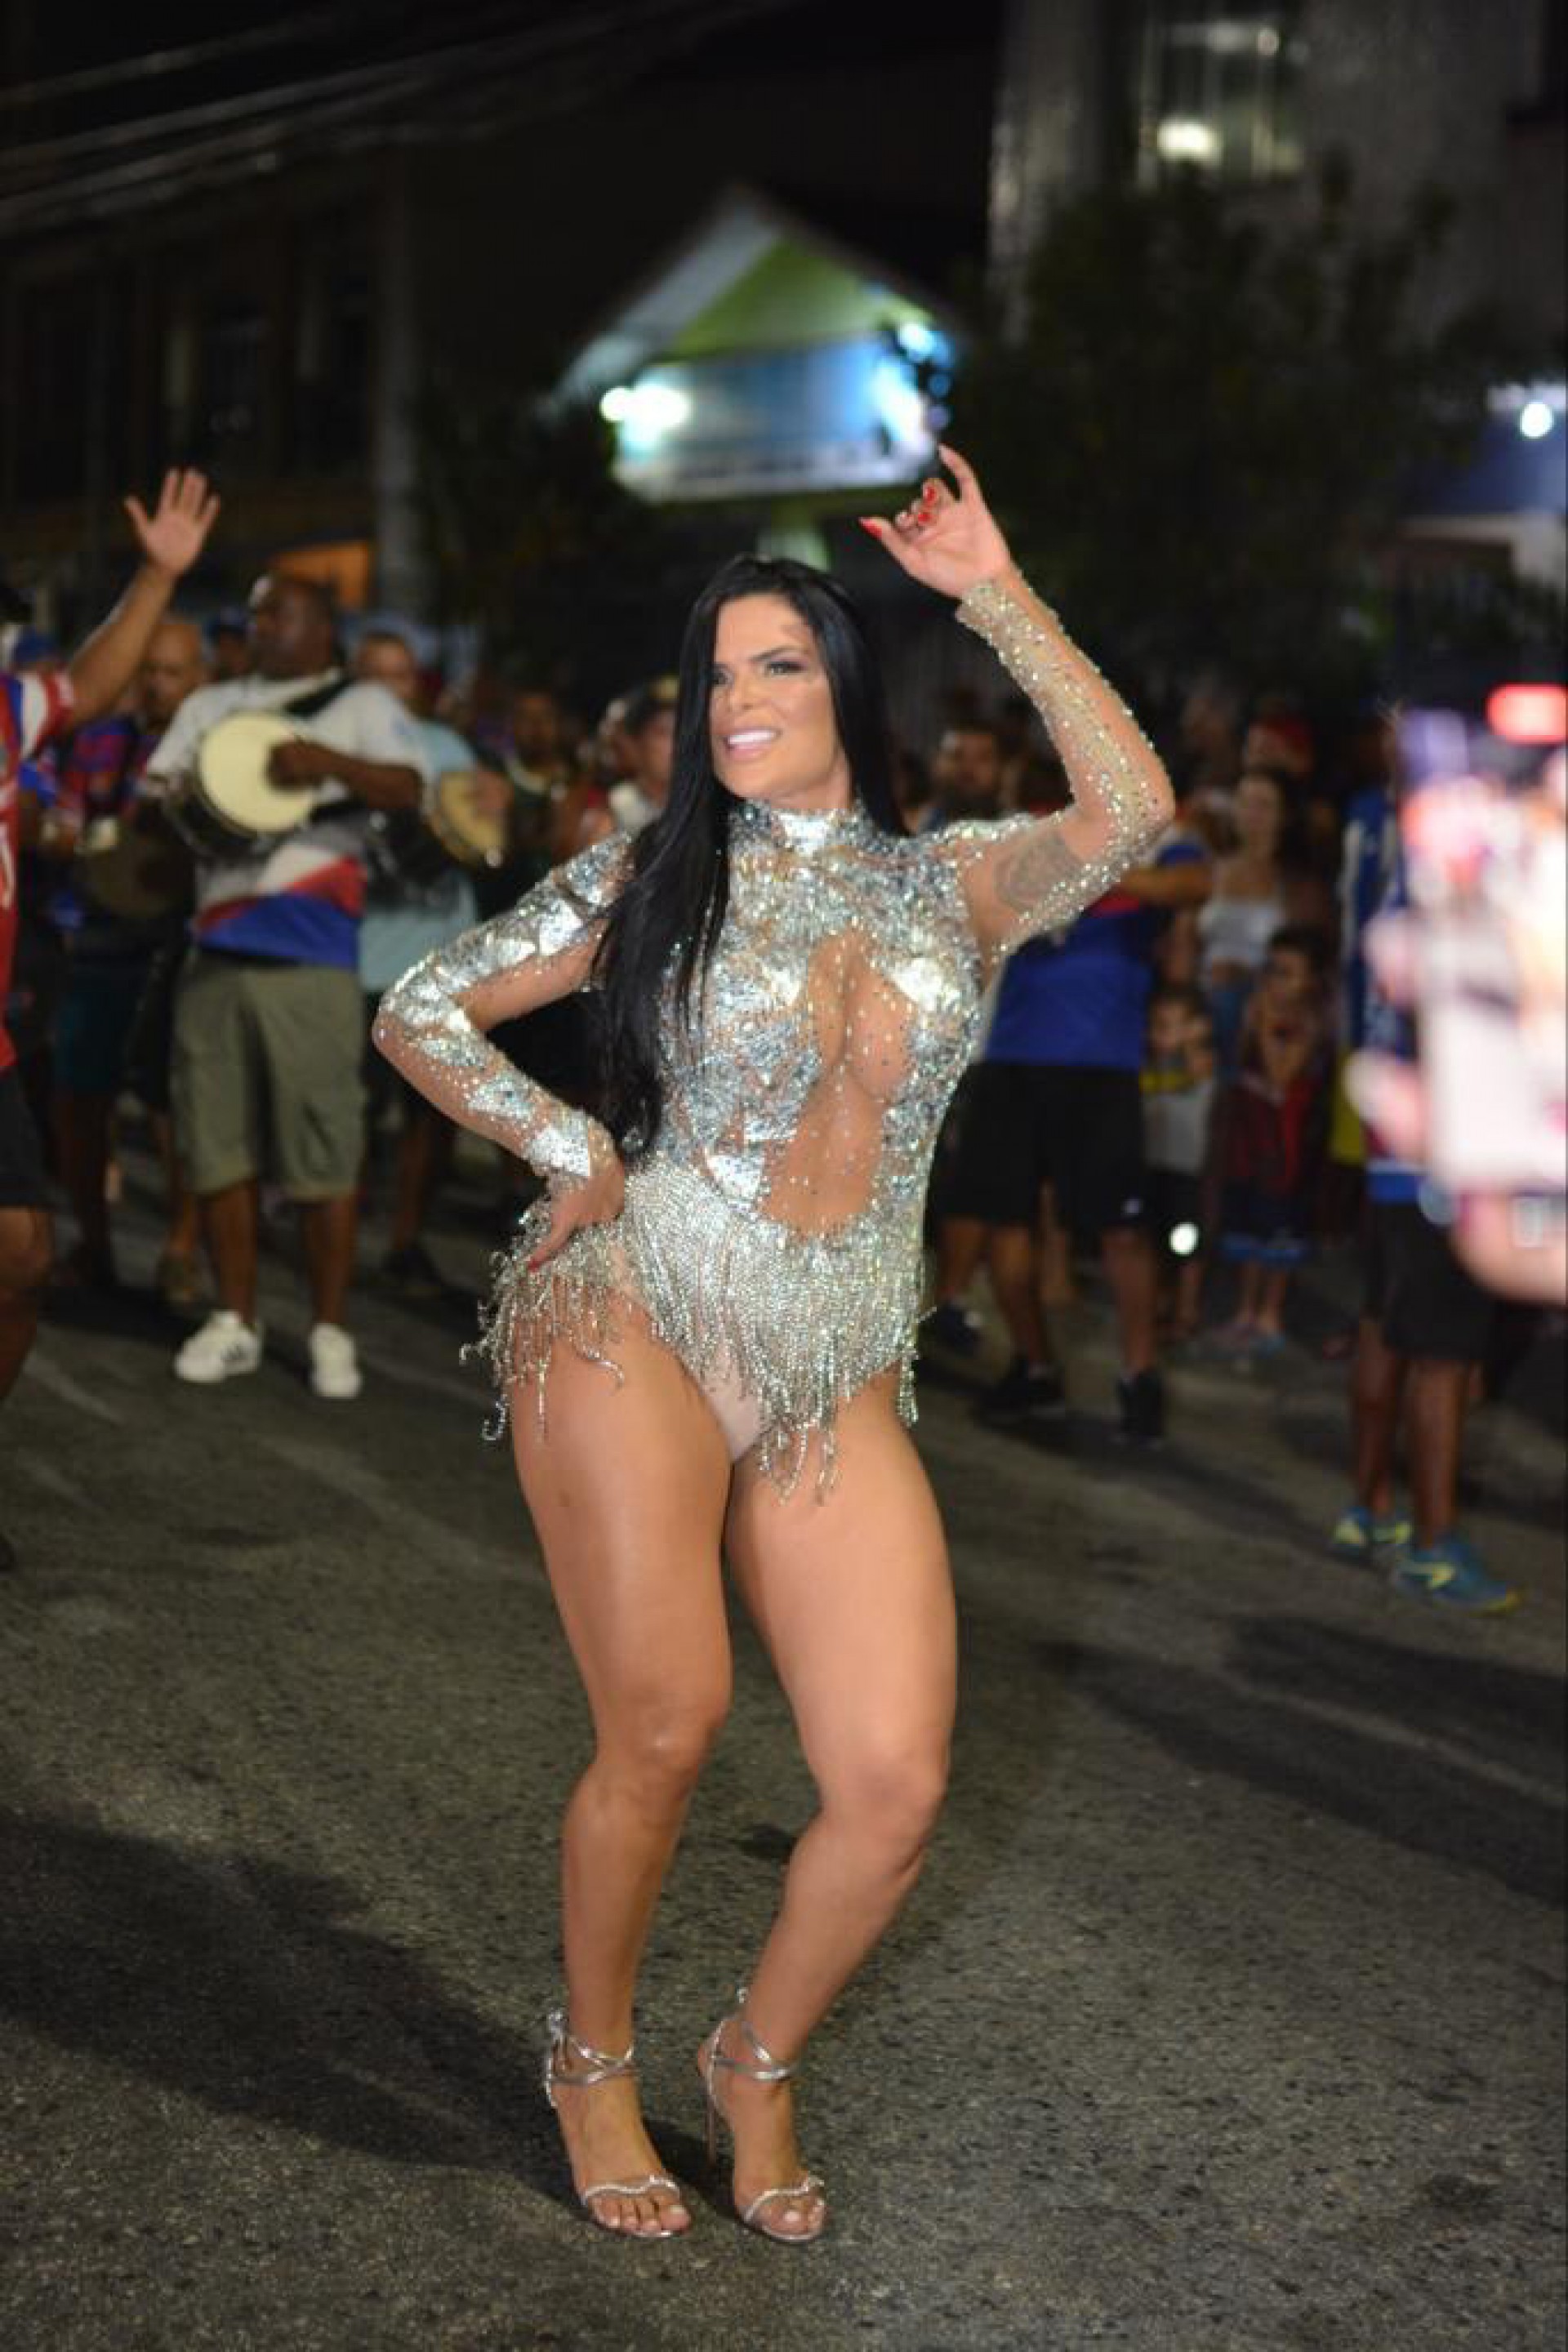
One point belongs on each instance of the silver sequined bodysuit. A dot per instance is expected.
(772, 1236)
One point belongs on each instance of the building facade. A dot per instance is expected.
(1260, 95)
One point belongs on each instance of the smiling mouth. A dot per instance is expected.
(747, 741)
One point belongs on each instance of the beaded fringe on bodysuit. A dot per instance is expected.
(798, 1322)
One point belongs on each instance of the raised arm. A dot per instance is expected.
(1032, 874)
(432, 1022)
(171, 539)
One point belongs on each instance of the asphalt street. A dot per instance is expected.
(1227, 2017)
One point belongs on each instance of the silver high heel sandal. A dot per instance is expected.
(599, 2066)
(766, 2069)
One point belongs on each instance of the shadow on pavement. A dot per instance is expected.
(1515, 1713)
(126, 1312)
(1428, 1803)
(244, 1986)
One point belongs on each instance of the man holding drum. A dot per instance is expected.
(269, 777)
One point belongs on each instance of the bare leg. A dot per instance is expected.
(634, 1563)
(25, 1251)
(424, 1151)
(230, 1220)
(1057, 1285)
(960, 1246)
(1014, 1267)
(1438, 1391)
(327, 1228)
(1377, 1393)
(81, 1140)
(183, 1235)
(853, 1596)
(1134, 1281)
(1274, 1290)
(1189, 1294)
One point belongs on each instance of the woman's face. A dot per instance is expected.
(772, 726)
(1259, 813)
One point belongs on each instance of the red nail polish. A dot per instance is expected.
(867, 524)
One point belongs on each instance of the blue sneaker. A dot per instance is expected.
(1449, 1575)
(1360, 1533)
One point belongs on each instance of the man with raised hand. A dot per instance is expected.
(33, 710)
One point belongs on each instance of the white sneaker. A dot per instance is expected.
(334, 1367)
(224, 1347)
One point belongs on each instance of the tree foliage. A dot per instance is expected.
(1198, 429)
(528, 534)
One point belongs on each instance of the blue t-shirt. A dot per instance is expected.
(1387, 1026)
(1082, 1000)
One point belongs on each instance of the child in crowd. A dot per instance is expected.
(1178, 1087)
(1271, 1141)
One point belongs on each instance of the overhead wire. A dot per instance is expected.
(235, 148)
(323, 24)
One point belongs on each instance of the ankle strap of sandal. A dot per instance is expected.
(767, 2068)
(596, 2067)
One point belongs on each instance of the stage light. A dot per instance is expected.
(1183, 1240)
(1536, 419)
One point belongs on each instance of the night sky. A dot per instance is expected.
(755, 74)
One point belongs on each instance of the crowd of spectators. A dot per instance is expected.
(1157, 1100)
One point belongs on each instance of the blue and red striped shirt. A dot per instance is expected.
(34, 708)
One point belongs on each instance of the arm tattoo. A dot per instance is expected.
(1030, 872)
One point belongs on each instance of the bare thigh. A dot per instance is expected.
(25, 1248)
(627, 1484)
(853, 1595)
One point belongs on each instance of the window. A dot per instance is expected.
(73, 419)
(332, 349)
(56, 326)
(232, 342)
(1219, 89)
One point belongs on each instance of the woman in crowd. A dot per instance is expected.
(718, 1296)
(1259, 886)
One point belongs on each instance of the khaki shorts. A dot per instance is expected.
(267, 1076)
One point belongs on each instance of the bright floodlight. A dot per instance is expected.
(645, 411)
(1535, 419)
(1182, 139)
(1183, 1240)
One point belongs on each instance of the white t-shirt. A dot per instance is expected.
(300, 896)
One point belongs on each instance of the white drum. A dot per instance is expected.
(232, 801)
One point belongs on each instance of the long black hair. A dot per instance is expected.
(672, 910)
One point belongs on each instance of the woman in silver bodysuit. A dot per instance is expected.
(705, 1329)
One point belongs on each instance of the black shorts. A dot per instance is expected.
(22, 1180)
(1417, 1290)
(1022, 1124)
